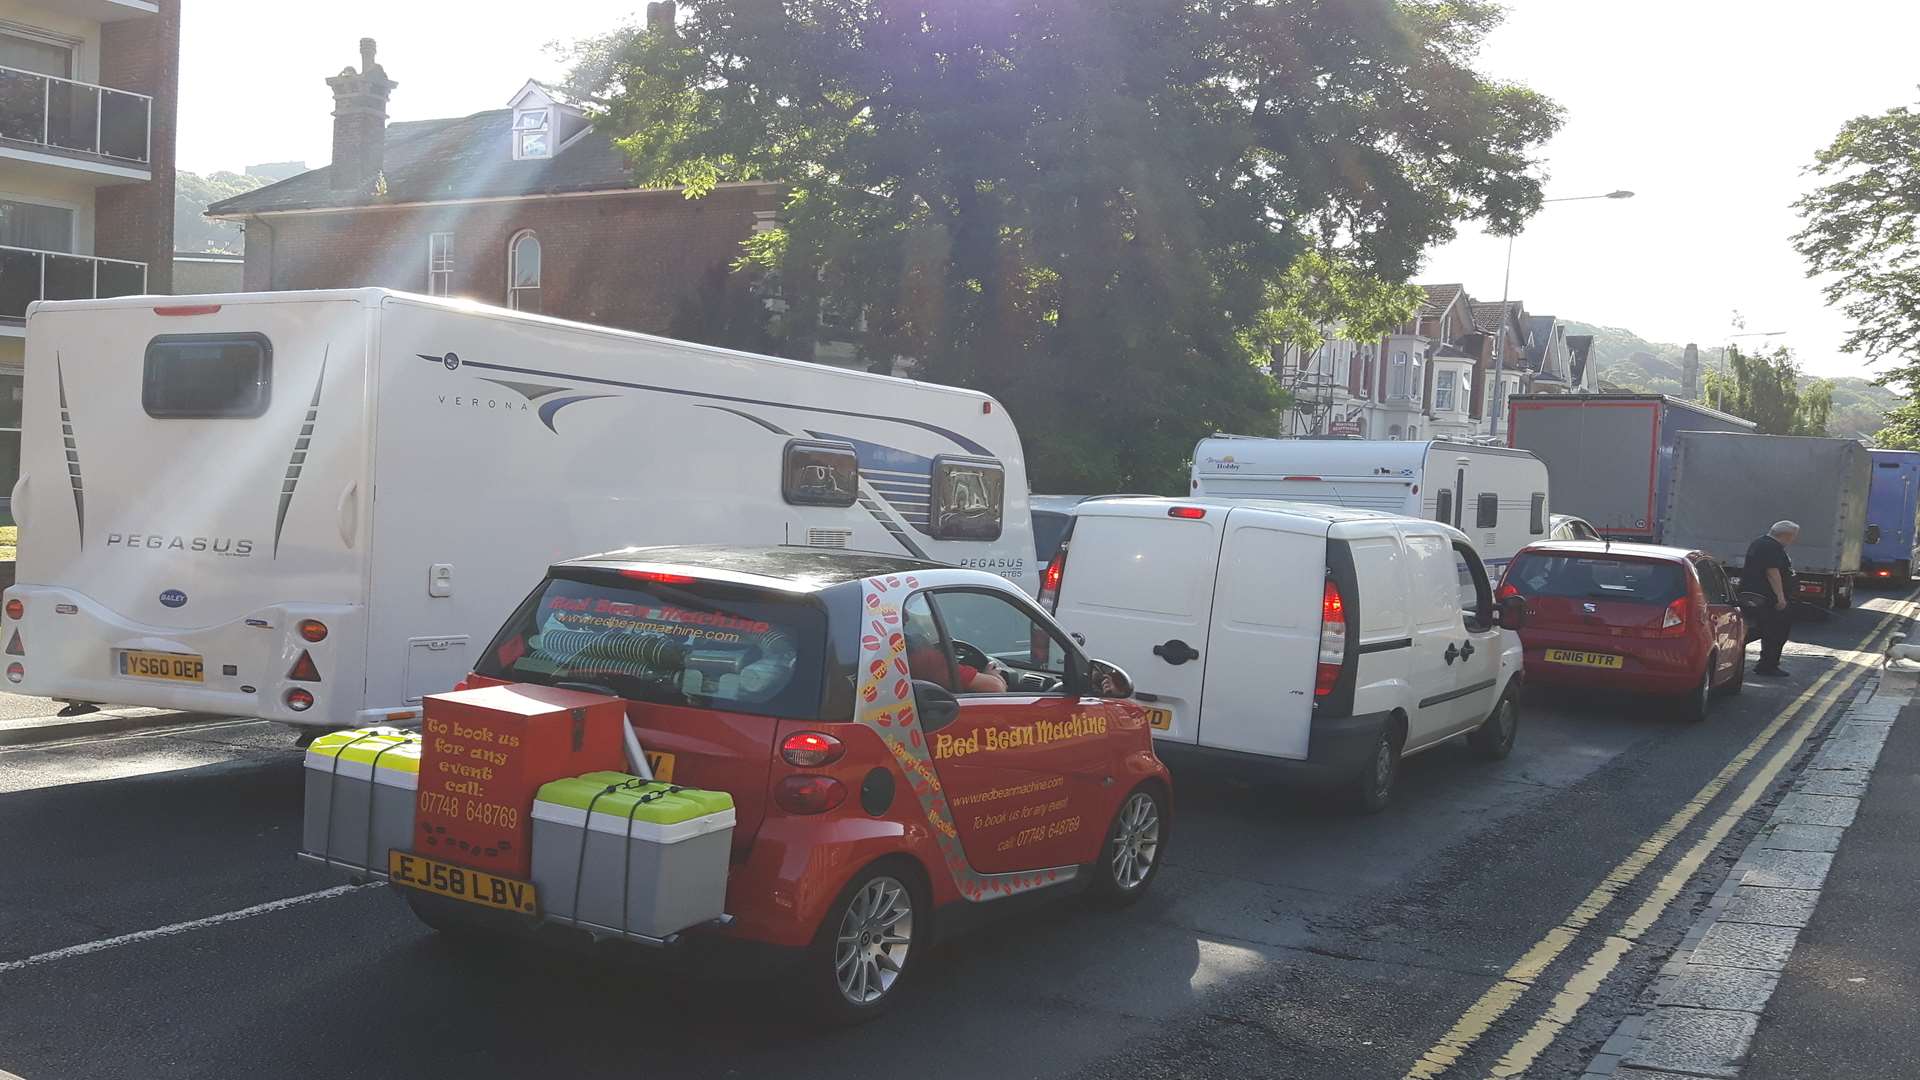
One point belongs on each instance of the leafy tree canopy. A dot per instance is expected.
(1096, 210)
(1765, 388)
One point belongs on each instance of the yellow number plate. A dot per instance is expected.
(1583, 659)
(174, 667)
(461, 882)
(662, 766)
(1160, 719)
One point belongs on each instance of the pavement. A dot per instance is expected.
(1499, 919)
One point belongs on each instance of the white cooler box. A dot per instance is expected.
(651, 862)
(360, 796)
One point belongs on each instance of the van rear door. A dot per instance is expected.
(1138, 585)
(1264, 636)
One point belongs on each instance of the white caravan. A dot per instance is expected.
(312, 507)
(1495, 495)
(1314, 640)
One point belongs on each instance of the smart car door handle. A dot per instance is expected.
(1452, 653)
(1176, 652)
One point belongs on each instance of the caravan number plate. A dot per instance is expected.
(461, 882)
(174, 667)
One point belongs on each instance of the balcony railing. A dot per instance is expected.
(27, 275)
(74, 116)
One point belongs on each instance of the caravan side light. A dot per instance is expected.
(187, 309)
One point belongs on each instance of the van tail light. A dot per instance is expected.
(1674, 622)
(1187, 513)
(809, 794)
(304, 669)
(313, 630)
(811, 749)
(1333, 639)
(1050, 579)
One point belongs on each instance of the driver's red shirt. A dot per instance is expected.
(930, 663)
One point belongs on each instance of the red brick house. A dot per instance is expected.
(527, 206)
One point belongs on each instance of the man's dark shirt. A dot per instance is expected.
(1766, 554)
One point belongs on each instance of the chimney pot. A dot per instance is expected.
(359, 123)
(366, 55)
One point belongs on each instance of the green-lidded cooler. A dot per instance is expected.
(650, 860)
(360, 796)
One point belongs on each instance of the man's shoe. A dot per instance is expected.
(1771, 672)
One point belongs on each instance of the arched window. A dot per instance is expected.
(523, 271)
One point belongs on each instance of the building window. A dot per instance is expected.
(1443, 391)
(32, 52)
(440, 264)
(523, 272)
(1399, 382)
(1393, 432)
(33, 225)
(533, 133)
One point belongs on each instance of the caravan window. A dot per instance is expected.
(820, 474)
(1443, 506)
(968, 497)
(207, 376)
(1537, 521)
(1487, 514)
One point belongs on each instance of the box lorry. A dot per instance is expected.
(1893, 503)
(312, 507)
(1610, 456)
(1729, 489)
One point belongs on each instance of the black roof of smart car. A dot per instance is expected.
(809, 568)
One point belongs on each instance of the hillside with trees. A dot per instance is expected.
(1629, 360)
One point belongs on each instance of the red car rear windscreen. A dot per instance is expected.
(1597, 577)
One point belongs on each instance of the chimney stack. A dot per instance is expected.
(359, 122)
(1690, 373)
(660, 15)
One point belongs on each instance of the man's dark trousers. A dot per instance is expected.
(1774, 625)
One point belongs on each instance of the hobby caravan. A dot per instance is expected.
(312, 507)
(1497, 496)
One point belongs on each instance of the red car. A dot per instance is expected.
(905, 743)
(1652, 620)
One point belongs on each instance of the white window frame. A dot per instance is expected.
(440, 264)
(1443, 390)
(1400, 377)
(73, 222)
(48, 37)
(521, 130)
(513, 267)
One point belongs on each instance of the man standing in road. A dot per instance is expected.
(1768, 573)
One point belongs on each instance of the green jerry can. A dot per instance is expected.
(648, 861)
(361, 788)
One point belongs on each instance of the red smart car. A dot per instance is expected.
(1652, 620)
(901, 740)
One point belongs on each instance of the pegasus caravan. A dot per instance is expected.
(1495, 495)
(311, 507)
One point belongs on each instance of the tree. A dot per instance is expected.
(1861, 234)
(192, 194)
(1083, 207)
(1765, 388)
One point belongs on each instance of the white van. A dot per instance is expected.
(1495, 495)
(1319, 639)
(312, 507)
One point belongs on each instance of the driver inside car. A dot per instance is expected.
(929, 661)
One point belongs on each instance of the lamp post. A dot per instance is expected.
(1506, 283)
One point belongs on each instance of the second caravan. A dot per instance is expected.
(312, 507)
(1495, 495)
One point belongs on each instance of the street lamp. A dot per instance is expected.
(1506, 283)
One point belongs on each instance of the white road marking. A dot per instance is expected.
(138, 936)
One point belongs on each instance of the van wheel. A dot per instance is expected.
(868, 946)
(1493, 739)
(1130, 859)
(1695, 705)
(1372, 789)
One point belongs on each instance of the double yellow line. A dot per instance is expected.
(1525, 972)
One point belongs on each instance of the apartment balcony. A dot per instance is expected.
(27, 275)
(97, 131)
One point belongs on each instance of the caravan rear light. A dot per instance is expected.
(811, 749)
(1301, 479)
(1189, 513)
(304, 669)
(187, 309)
(657, 578)
(1333, 639)
(1050, 579)
(299, 700)
(17, 610)
(16, 672)
(313, 630)
(16, 647)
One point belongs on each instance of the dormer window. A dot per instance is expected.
(533, 133)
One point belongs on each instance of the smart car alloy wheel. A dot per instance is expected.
(1136, 841)
(875, 935)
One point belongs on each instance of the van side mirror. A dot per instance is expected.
(1511, 612)
(1108, 681)
(935, 705)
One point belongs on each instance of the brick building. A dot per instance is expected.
(88, 98)
(526, 206)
